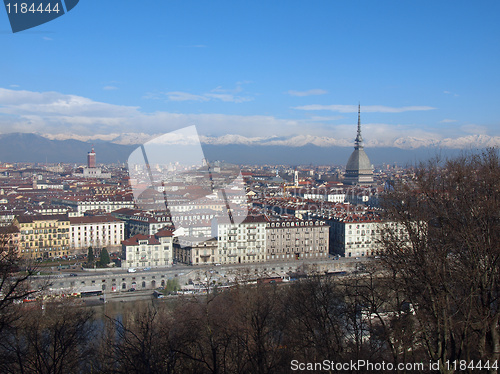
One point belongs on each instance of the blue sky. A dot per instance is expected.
(425, 72)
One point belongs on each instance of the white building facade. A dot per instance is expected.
(142, 251)
(108, 205)
(356, 235)
(241, 243)
(96, 231)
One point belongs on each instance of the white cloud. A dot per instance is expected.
(312, 92)
(109, 88)
(235, 90)
(324, 118)
(53, 113)
(218, 94)
(447, 120)
(474, 129)
(228, 98)
(365, 108)
(450, 93)
(47, 38)
(80, 117)
(184, 96)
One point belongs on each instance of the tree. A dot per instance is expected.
(104, 260)
(316, 309)
(57, 339)
(444, 245)
(15, 278)
(139, 343)
(172, 285)
(90, 257)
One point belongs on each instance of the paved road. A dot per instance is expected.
(179, 268)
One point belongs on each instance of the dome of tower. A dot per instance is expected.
(359, 161)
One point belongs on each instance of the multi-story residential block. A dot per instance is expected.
(333, 195)
(9, 239)
(196, 253)
(148, 250)
(7, 217)
(201, 230)
(296, 239)
(43, 236)
(97, 232)
(81, 204)
(145, 223)
(242, 243)
(356, 235)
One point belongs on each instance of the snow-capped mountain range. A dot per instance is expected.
(410, 142)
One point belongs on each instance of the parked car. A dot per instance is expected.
(131, 270)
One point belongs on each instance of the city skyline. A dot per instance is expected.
(258, 74)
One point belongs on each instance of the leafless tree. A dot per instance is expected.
(57, 339)
(316, 310)
(138, 343)
(444, 245)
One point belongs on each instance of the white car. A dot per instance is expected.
(131, 270)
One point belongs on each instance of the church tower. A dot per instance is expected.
(91, 159)
(359, 170)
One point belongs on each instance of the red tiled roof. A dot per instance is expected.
(134, 240)
(164, 233)
(92, 219)
(54, 217)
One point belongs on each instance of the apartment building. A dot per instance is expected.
(43, 236)
(142, 251)
(356, 235)
(81, 204)
(145, 223)
(193, 252)
(241, 243)
(9, 239)
(296, 239)
(97, 232)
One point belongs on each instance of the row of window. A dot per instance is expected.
(45, 236)
(44, 231)
(44, 249)
(362, 232)
(41, 244)
(295, 224)
(291, 249)
(46, 225)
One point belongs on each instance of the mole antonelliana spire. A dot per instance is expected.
(359, 138)
(358, 170)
